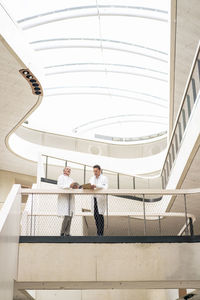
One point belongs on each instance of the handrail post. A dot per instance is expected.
(31, 225)
(144, 212)
(162, 181)
(129, 229)
(159, 222)
(118, 181)
(191, 227)
(46, 169)
(134, 182)
(66, 163)
(186, 219)
(107, 209)
(84, 174)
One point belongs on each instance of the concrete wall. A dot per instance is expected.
(7, 179)
(9, 236)
(108, 266)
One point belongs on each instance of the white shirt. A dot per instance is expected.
(101, 182)
(64, 181)
(65, 202)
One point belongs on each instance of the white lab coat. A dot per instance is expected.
(101, 183)
(65, 202)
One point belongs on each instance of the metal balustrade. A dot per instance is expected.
(123, 216)
(189, 99)
(53, 167)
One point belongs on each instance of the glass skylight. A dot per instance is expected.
(105, 64)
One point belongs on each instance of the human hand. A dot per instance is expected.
(74, 185)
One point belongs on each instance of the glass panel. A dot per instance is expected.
(180, 132)
(141, 183)
(55, 168)
(125, 181)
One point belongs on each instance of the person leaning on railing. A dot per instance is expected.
(98, 203)
(66, 202)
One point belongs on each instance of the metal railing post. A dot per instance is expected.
(31, 225)
(129, 229)
(144, 212)
(159, 224)
(198, 64)
(66, 163)
(107, 209)
(194, 92)
(163, 186)
(118, 181)
(84, 174)
(46, 169)
(186, 219)
(133, 182)
(191, 227)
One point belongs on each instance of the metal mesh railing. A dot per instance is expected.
(190, 97)
(115, 213)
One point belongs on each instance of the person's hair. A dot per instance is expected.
(65, 168)
(97, 166)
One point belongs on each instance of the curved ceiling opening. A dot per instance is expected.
(105, 63)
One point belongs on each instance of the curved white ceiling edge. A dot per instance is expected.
(31, 151)
(130, 166)
(107, 149)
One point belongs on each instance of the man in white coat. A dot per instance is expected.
(98, 203)
(66, 202)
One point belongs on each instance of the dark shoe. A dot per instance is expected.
(62, 234)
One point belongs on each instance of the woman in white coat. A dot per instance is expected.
(66, 201)
(98, 202)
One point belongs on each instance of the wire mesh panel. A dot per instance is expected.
(109, 215)
(188, 204)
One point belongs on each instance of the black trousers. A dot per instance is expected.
(99, 219)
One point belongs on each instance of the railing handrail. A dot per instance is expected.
(131, 214)
(113, 191)
(182, 104)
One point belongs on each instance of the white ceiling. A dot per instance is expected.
(102, 76)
